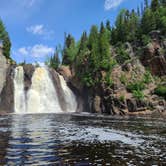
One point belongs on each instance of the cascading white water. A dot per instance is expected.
(19, 94)
(42, 96)
(70, 98)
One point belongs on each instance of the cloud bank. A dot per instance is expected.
(36, 51)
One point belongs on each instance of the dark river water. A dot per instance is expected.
(81, 140)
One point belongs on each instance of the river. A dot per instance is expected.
(81, 140)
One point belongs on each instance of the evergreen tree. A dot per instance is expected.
(69, 51)
(6, 46)
(104, 48)
(148, 22)
(93, 45)
(155, 5)
(4, 38)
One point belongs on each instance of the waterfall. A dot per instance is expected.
(19, 94)
(70, 98)
(42, 96)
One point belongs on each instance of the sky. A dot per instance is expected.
(35, 27)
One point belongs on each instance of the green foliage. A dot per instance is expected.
(53, 61)
(136, 86)
(161, 91)
(88, 80)
(148, 22)
(122, 98)
(123, 79)
(138, 94)
(4, 37)
(147, 78)
(122, 55)
(104, 48)
(146, 39)
(70, 50)
(108, 80)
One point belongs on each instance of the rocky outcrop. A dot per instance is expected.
(3, 71)
(28, 73)
(154, 58)
(7, 94)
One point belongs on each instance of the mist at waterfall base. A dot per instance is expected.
(42, 96)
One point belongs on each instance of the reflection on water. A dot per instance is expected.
(51, 139)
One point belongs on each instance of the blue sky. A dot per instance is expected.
(37, 26)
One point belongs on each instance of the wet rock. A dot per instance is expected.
(28, 73)
(7, 94)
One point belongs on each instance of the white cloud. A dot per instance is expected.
(40, 30)
(23, 51)
(36, 29)
(37, 51)
(110, 4)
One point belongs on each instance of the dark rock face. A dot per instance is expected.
(7, 94)
(28, 73)
(154, 59)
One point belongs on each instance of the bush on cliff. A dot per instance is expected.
(161, 91)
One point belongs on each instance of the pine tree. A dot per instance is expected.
(4, 38)
(148, 22)
(6, 46)
(155, 5)
(93, 45)
(104, 48)
(69, 51)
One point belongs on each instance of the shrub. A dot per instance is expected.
(122, 55)
(138, 94)
(108, 80)
(136, 86)
(123, 79)
(145, 39)
(122, 98)
(147, 77)
(160, 91)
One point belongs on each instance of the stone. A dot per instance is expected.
(131, 105)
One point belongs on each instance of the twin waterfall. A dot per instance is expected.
(42, 96)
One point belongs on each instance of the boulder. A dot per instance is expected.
(65, 72)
